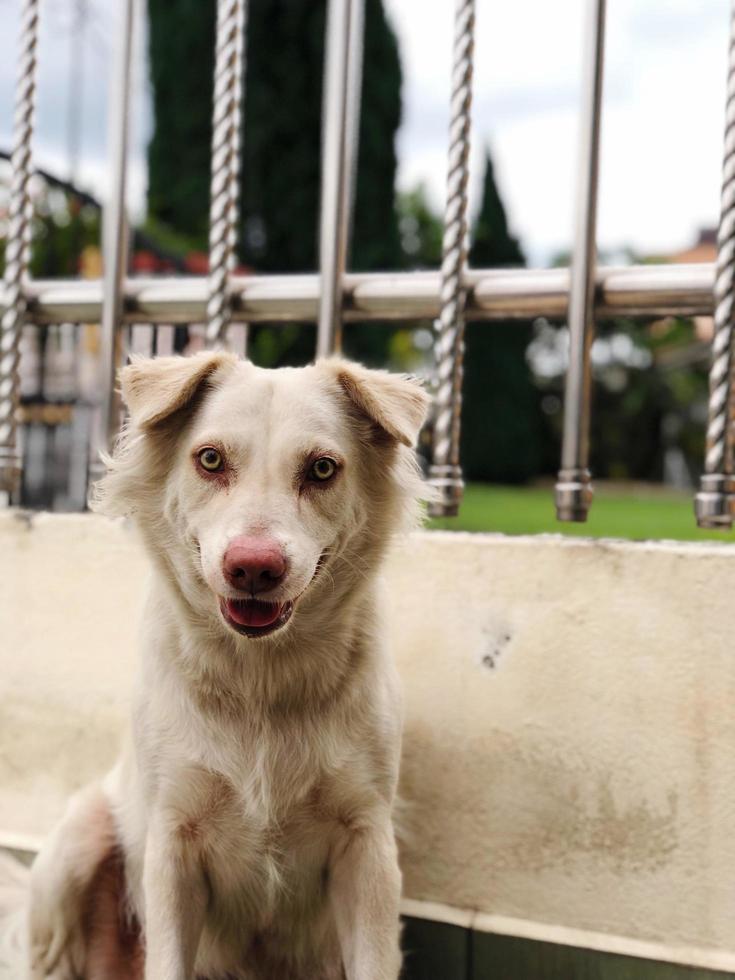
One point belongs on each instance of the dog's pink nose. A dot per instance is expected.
(254, 565)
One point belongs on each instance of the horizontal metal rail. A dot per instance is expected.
(647, 290)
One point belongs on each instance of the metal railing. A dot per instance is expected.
(335, 296)
(503, 294)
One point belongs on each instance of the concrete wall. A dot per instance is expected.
(569, 767)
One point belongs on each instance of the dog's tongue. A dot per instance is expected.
(253, 612)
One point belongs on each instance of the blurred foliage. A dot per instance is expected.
(64, 225)
(648, 400)
(649, 392)
(62, 230)
(420, 229)
(168, 239)
(649, 378)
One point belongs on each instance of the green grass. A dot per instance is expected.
(618, 511)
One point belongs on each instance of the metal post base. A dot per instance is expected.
(11, 469)
(447, 481)
(714, 505)
(573, 495)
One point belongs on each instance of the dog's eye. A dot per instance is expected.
(210, 459)
(323, 469)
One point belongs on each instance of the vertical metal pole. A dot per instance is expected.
(445, 473)
(340, 136)
(225, 186)
(115, 236)
(714, 505)
(17, 250)
(574, 487)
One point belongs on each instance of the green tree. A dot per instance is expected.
(181, 59)
(281, 142)
(501, 417)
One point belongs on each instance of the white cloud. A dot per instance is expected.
(662, 123)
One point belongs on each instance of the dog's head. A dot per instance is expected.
(258, 489)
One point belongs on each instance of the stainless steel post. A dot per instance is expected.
(225, 181)
(574, 487)
(115, 238)
(714, 505)
(340, 132)
(445, 473)
(17, 250)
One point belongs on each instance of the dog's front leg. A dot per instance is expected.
(175, 901)
(365, 889)
(61, 878)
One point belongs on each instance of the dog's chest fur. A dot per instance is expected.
(266, 863)
(263, 798)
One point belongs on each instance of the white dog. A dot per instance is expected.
(246, 832)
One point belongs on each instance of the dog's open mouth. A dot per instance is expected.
(254, 617)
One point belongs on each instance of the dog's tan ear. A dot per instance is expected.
(394, 402)
(154, 388)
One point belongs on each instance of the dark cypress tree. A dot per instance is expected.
(501, 418)
(281, 145)
(181, 49)
(376, 243)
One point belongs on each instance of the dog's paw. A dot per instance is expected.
(56, 952)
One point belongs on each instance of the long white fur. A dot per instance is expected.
(252, 804)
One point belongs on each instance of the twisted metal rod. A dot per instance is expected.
(226, 147)
(715, 502)
(241, 342)
(236, 136)
(17, 248)
(445, 473)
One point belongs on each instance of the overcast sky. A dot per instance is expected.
(662, 123)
